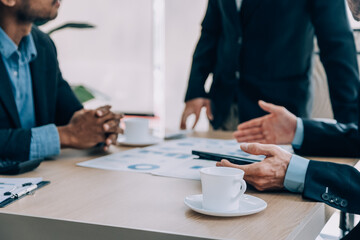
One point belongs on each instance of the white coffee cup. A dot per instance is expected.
(136, 129)
(222, 188)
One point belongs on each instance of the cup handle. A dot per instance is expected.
(242, 187)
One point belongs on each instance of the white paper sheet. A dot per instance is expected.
(226, 147)
(171, 158)
(14, 185)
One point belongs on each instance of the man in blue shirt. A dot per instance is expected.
(39, 113)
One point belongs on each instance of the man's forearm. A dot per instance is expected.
(45, 142)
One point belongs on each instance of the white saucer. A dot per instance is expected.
(248, 205)
(151, 140)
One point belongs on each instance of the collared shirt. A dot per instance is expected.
(44, 140)
(238, 4)
(299, 134)
(16, 60)
(295, 175)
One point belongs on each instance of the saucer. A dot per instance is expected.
(150, 140)
(248, 205)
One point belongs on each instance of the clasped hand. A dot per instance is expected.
(87, 128)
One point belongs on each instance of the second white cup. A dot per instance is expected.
(222, 188)
(136, 129)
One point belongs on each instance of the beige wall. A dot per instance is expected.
(116, 57)
(183, 19)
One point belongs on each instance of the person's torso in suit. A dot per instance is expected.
(54, 101)
(264, 52)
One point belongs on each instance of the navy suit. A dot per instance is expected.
(53, 99)
(333, 140)
(265, 52)
(337, 185)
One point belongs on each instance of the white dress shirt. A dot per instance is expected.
(238, 4)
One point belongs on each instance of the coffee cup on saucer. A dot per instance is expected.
(137, 133)
(222, 188)
(136, 129)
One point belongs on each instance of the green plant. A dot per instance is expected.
(71, 25)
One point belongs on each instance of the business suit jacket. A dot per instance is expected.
(269, 46)
(53, 99)
(333, 140)
(337, 185)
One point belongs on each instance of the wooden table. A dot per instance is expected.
(85, 203)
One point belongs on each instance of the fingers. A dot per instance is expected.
(111, 139)
(226, 163)
(259, 149)
(112, 126)
(184, 116)
(111, 120)
(250, 135)
(248, 169)
(252, 139)
(208, 110)
(194, 107)
(257, 122)
(197, 116)
(102, 111)
(248, 132)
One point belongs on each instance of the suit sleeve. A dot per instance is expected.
(333, 140)
(204, 57)
(337, 185)
(338, 56)
(15, 144)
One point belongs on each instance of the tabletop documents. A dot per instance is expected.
(171, 158)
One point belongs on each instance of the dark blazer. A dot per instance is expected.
(342, 181)
(269, 47)
(337, 185)
(333, 140)
(54, 101)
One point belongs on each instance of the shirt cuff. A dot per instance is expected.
(295, 174)
(45, 142)
(299, 134)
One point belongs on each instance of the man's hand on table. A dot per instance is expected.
(87, 128)
(278, 127)
(268, 174)
(194, 106)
